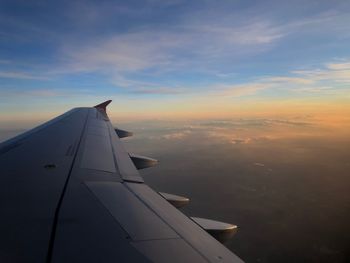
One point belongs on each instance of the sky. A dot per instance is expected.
(173, 58)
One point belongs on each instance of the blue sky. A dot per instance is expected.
(155, 54)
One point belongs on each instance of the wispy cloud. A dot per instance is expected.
(243, 89)
(5, 61)
(123, 53)
(189, 42)
(148, 49)
(38, 93)
(196, 45)
(127, 45)
(145, 87)
(158, 90)
(20, 75)
(122, 58)
(339, 66)
(335, 72)
(323, 80)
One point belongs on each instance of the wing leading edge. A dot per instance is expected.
(71, 193)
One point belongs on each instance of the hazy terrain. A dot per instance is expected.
(284, 183)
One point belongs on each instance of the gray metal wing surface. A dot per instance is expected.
(69, 192)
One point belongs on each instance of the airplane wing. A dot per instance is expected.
(70, 192)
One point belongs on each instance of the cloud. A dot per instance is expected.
(37, 93)
(157, 90)
(20, 75)
(44, 93)
(178, 47)
(247, 131)
(126, 45)
(226, 136)
(244, 89)
(5, 61)
(288, 122)
(335, 72)
(177, 135)
(240, 141)
(323, 80)
(125, 57)
(145, 87)
(238, 124)
(339, 66)
(130, 52)
(254, 33)
(191, 43)
(294, 80)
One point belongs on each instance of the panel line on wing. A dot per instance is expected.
(59, 204)
(136, 218)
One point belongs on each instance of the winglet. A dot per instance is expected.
(103, 105)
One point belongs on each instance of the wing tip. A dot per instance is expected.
(103, 105)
